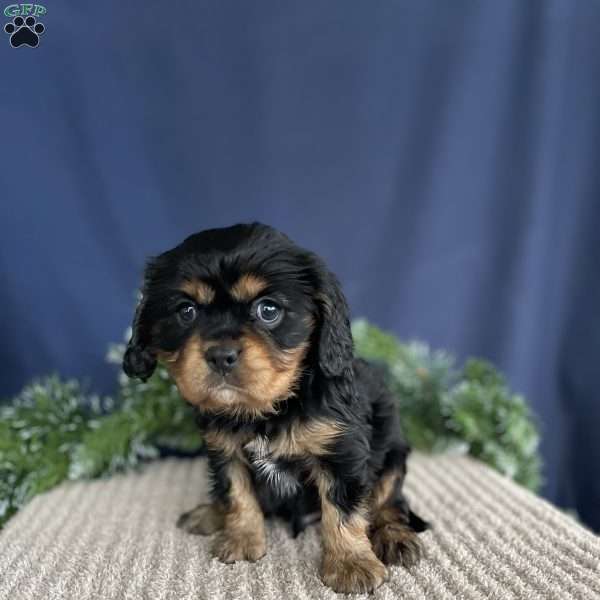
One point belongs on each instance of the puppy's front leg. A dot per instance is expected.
(349, 564)
(243, 533)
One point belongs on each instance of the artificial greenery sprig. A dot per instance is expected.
(54, 431)
(443, 408)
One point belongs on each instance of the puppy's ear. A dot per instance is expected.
(139, 361)
(336, 348)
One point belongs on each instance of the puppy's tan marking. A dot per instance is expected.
(189, 370)
(227, 442)
(199, 290)
(268, 376)
(349, 564)
(382, 492)
(243, 536)
(205, 519)
(247, 287)
(312, 437)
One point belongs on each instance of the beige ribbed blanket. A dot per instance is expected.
(116, 538)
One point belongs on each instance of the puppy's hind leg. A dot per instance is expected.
(393, 526)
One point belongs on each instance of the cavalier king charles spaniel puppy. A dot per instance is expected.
(255, 333)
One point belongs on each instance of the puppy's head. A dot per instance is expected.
(237, 315)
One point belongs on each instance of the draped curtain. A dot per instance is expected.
(442, 157)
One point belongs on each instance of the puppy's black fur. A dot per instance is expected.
(358, 464)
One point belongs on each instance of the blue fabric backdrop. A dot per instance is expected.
(443, 156)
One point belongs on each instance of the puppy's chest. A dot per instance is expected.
(283, 475)
(280, 458)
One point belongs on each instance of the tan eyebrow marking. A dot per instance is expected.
(247, 287)
(199, 291)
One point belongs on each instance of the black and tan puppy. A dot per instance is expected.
(255, 333)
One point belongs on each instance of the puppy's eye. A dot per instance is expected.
(269, 312)
(187, 312)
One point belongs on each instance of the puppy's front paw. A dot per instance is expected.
(353, 574)
(232, 547)
(205, 519)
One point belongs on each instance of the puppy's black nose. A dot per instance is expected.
(222, 359)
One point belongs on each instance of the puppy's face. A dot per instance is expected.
(234, 342)
(232, 314)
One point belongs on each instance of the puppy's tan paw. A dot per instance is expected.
(205, 519)
(353, 574)
(231, 548)
(395, 543)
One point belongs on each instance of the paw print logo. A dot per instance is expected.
(24, 32)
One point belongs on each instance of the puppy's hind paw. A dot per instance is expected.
(205, 519)
(396, 544)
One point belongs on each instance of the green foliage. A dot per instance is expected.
(444, 408)
(148, 415)
(53, 431)
(38, 432)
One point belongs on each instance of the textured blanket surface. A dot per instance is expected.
(116, 538)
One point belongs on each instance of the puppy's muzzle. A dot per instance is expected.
(223, 358)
